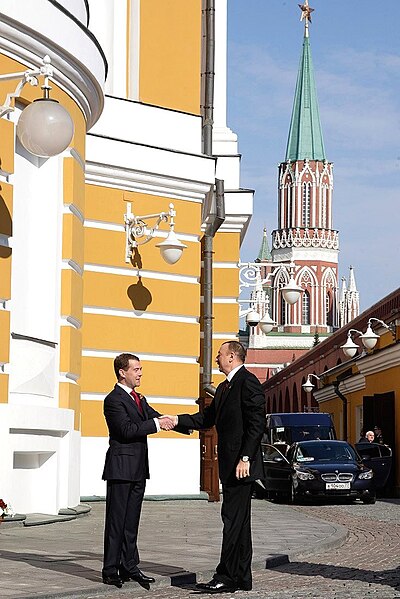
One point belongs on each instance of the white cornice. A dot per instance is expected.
(350, 385)
(146, 169)
(383, 360)
(131, 180)
(30, 30)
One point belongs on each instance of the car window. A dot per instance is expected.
(369, 451)
(271, 453)
(324, 452)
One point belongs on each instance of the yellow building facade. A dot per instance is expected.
(131, 75)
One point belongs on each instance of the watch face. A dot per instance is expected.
(245, 458)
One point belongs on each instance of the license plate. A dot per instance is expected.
(334, 486)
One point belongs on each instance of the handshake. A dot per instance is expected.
(167, 423)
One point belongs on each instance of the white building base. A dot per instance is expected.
(39, 469)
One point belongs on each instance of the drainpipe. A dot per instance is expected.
(212, 228)
(208, 115)
(344, 400)
(218, 218)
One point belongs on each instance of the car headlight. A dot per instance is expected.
(366, 475)
(304, 475)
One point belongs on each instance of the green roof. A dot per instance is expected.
(305, 134)
(264, 253)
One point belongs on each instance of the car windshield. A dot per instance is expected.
(292, 434)
(324, 452)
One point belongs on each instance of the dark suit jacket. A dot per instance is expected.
(127, 456)
(239, 417)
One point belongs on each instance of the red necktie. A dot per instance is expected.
(137, 400)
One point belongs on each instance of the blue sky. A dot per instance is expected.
(356, 55)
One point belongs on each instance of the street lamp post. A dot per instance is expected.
(250, 277)
(369, 338)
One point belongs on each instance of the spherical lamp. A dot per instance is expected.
(349, 348)
(308, 386)
(369, 338)
(171, 248)
(45, 128)
(291, 292)
(266, 324)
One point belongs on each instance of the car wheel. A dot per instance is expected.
(369, 500)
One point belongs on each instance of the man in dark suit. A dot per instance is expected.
(238, 411)
(129, 419)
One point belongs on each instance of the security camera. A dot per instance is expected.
(253, 318)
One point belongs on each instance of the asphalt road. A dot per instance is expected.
(366, 565)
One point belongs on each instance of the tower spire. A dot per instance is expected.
(305, 134)
(264, 253)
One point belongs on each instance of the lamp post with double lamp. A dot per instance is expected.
(250, 277)
(44, 127)
(369, 338)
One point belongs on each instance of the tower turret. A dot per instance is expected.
(305, 233)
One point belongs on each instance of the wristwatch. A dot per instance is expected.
(245, 458)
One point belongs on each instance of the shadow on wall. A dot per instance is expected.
(140, 296)
(5, 226)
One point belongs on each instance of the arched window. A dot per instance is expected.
(283, 310)
(289, 222)
(306, 204)
(324, 204)
(329, 310)
(305, 316)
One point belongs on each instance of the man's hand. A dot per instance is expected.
(242, 469)
(167, 423)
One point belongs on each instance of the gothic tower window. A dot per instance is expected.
(306, 204)
(289, 206)
(283, 310)
(324, 203)
(305, 316)
(329, 311)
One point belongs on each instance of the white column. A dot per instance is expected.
(108, 22)
(224, 140)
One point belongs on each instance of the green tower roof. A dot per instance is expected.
(305, 134)
(264, 253)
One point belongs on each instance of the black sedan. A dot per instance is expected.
(317, 469)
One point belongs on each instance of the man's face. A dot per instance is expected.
(224, 359)
(131, 377)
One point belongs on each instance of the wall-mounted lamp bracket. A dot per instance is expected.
(29, 76)
(138, 232)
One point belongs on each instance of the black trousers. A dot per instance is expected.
(236, 552)
(123, 507)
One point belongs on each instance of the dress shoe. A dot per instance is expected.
(113, 579)
(216, 586)
(137, 576)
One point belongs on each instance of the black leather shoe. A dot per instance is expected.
(137, 576)
(113, 579)
(216, 586)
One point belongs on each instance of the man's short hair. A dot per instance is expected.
(236, 348)
(122, 361)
